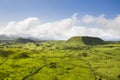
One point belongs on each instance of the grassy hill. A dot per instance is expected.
(84, 40)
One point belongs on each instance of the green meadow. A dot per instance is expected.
(75, 59)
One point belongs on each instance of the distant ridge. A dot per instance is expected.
(35, 39)
(5, 37)
(13, 37)
(23, 40)
(84, 40)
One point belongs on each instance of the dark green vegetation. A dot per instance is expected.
(79, 58)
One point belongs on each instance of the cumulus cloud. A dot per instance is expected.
(88, 19)
(63, 29)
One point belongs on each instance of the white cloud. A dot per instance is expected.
(63, 29)
(88, 19)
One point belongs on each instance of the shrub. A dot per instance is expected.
(53, 65)
(84, 54)
(118, 76)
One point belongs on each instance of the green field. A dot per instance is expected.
(57, 60)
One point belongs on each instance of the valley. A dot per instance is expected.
(79, 58)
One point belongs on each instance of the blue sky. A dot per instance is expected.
(57, 19)
(49, 10)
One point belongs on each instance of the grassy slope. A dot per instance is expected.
(75, 41)
(84, 40)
